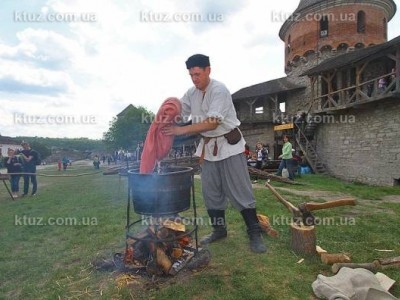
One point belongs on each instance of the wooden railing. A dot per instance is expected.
(309, 151)
(363, 92)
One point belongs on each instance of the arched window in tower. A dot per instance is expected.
(324, 25)
(384, 29)
(361, 22)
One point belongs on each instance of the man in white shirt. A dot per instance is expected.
(224, 167)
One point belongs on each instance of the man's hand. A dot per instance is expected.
(172, 130)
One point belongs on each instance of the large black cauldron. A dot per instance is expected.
(161, 194)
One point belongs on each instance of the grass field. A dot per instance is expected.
(49, 241)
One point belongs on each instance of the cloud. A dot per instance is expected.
(41, 48)
(38, 64)
(18, 77)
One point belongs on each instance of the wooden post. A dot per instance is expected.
(398, 70)
(313, 96)
(303, 239)
(250, 103)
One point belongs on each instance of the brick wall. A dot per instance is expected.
(305, 33)
(364, 146)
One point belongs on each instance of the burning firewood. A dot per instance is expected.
(163, 249)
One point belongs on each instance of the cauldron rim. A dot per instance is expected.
(179, 170)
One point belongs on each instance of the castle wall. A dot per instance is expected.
(364, 145)
(263, 133)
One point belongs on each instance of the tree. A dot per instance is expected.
(127, 130)
(42, 149)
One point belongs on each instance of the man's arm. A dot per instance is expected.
(207, 125)
(27, 158)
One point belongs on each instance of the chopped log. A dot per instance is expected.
(333, 258)
(303, 239)
(377, 264)
(373, 267)
(265, 175)
(320, 250)
(390, 261)
(266, 226)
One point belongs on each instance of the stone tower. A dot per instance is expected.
(319, 29)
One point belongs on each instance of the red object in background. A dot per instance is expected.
(158, 145)
(59, 165)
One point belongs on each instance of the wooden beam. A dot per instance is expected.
(398, 69)
(313, 79)
(359, 71)
(250, 103)
(364, 66)
(274, 99)
(392, 56)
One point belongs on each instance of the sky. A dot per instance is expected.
(67, 67)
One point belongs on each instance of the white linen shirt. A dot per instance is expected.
(216, 103)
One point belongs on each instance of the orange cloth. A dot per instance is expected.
(158, 145)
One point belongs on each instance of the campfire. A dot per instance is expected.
(162, 242)
(162, 248)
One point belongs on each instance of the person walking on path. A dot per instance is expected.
(30, 158)
(286, 156)
(14, 165)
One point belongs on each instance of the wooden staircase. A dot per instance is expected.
(303, 140)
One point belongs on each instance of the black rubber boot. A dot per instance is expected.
(217, 218)
(254, 230)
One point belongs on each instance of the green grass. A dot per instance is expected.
(54, 261)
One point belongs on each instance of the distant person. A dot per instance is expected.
(65, 163)
(296, 162)
(382, 84)
(138, 151)
(286, 157)
(247, 151)
(59, 164)
(300, 120)
(260, 155)
(96, 162)
(30, 158)
(14, 166)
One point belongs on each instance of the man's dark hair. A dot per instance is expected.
(198, 60)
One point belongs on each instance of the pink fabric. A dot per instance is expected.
(158, 145)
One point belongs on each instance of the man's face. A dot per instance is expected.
(200, 77)
(25, 146)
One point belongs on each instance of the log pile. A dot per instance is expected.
(265, 175)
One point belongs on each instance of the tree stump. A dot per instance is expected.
(303, 239)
